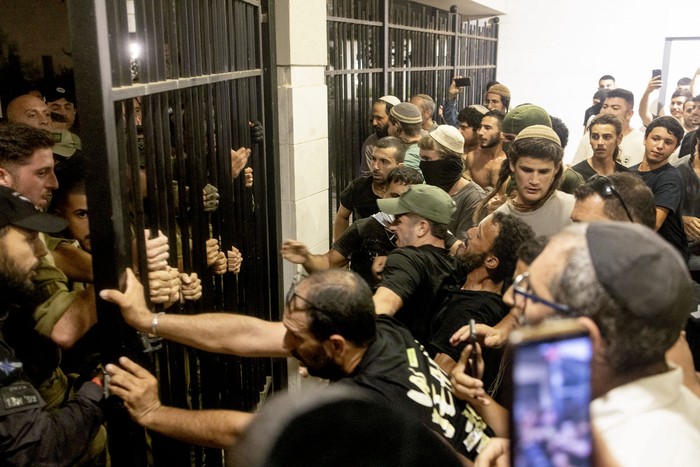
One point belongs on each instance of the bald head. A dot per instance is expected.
(29, 110)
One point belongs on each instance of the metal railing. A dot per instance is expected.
(402, 48)
(198, 81)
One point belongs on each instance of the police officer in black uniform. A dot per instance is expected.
(28, 434)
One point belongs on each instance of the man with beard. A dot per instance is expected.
(61, 316)
(330, 326)
(442, 166)
(27, 166)
(360, 197)
(380, 124)
(490, 254)
(497, 98)
(30, 434)
(468, 124)
(484, 163)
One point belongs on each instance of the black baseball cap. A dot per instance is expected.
(19, 211)
(58, 91)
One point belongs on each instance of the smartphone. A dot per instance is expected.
(462, 82)
(550, 423)
(473, 360)
(655, 72)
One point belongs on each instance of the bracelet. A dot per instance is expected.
(154, 323)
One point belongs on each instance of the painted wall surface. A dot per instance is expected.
(552, 52)
(303, 136)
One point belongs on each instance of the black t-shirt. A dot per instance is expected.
(399, 372)
(687, 144)
(421, 276)
(461, 306)
(667, 186)
(364, 240)
(359, 198)
(586, 171)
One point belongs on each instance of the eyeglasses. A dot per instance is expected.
(602, 185)
(521, 286)
(293, 293)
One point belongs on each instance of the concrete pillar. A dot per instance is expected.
(303, 130)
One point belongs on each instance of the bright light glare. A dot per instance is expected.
(134, 50)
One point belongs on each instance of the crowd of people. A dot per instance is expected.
(460, 215)
(464, 239)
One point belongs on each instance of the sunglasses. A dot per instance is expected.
(602, 185)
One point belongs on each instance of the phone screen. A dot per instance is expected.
(551, 394)
(462, 82)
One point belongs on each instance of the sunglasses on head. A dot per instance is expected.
(602, 185)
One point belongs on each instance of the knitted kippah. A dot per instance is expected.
(479, 108)
(499, 89)
(539, 131)
(406, 112)
(393, 100)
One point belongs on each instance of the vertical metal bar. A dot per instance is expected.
(111, 241)
(386, 47)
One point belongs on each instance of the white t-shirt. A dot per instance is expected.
(631, 149)
(550, 218)
(652, 421)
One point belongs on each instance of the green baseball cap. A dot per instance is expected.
(426, 201)
(524, 116)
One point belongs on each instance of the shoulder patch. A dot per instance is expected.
(19, 396)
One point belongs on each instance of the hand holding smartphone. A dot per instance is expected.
(463, 82)
(551, 394)
(473, 356)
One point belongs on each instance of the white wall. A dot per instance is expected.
(303, 134)
(552, 52)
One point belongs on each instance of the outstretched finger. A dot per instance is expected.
(134, 368)
(460, 335)
(463, 358)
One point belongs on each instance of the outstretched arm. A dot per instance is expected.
(342, 221)
(214, 332)
(495, 337)
(386, 301)
(74, 262)
(139, 390)
(644, 112)
(78, 318)
(298, 253)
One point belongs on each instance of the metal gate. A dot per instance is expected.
(397, 47)
(199, 81)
